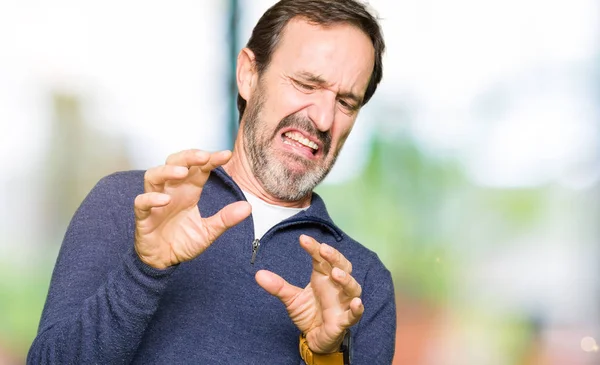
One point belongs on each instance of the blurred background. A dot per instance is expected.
(474, 172)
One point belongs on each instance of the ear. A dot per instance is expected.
(246, 73)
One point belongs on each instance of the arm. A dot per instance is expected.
(331, 304)
(374, 340)
(101, 295)
(109, 276)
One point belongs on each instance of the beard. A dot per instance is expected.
(279, 179)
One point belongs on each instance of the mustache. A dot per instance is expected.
(301, 123)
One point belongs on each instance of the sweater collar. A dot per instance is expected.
(316, 212)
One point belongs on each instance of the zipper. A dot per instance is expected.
(255, 246)
(334, 230)
(303, 219)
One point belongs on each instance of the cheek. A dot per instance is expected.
(341, 132)
(287, 100)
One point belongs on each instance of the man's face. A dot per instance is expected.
(304, 106)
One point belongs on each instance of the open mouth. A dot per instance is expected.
(298, 140)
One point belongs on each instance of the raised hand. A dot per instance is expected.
(168, 225)
(328, 305)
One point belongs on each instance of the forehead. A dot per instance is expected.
(341, 54)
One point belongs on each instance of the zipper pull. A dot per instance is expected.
(255, 246)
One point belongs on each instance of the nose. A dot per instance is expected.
(322, 110)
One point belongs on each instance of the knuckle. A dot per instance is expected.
(348, 280)
(207, 168)
(337, 257)
(147, 174)
(171, 157)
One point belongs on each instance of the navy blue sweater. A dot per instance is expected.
(105, 306)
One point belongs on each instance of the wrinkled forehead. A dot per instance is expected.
(341, 54)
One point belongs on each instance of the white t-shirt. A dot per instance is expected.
(267, 215)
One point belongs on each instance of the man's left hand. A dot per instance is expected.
(328, 305)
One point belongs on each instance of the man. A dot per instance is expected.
(169, 266)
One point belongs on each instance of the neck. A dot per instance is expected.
(238, 167)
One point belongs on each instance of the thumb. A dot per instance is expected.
(226, 218)
(277, 286)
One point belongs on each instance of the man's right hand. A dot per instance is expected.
(168, 225)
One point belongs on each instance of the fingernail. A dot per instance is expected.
(339, 273)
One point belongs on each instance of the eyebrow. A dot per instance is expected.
(310, 77)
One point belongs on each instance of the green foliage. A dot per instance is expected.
(394, 208)
(23, 290)
(423, 216)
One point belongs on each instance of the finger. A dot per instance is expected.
(199, 173)
(311, 246)
(188, 158)
(156, 177)
(353, 314)
(277, 286)
(226, 218)
(144, 203)
(215, 160)
(335, 258)
(348, 284)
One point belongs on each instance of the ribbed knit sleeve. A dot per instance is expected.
(374, 339)
(101, 296)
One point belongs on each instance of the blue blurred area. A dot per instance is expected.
(474, 172)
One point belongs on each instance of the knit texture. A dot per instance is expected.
(105, 306)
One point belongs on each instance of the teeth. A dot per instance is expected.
(304, 141)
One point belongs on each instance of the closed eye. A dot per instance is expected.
(346, 105)
(303, 86)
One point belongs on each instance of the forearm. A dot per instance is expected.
(106, 327)
(374, 336)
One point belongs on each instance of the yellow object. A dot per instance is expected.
(310, 358)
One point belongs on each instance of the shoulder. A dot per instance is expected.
(117, 189)
(363, 254)
(107, 211)
(128, 180)
(122, 183)
(364, 260)
(366, 263)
